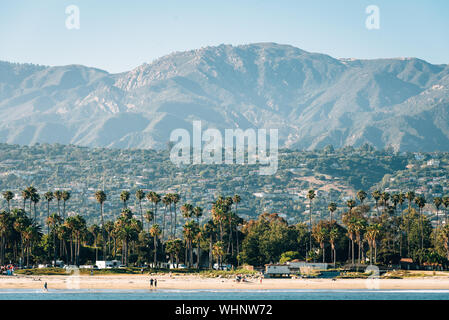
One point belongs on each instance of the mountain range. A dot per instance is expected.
(313, 99)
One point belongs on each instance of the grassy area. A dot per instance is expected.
(131, 270)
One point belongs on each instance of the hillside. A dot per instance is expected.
(314, 99)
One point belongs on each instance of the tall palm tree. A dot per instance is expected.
(372, 232)
(351, 204)
(333, 236)
(58, 196)
(35, 198)
(95, 230)
(5, 226)
(198, 212)
(124, 197)
(410, 196)
(154, 198)
(140, 195)
(149, 217)
(175, 199)
(187, 211)
(421, 202)
(437, 201)
(236, 199)
(332, 207)
(25, 196)
(155, 232)
(100, 196)
(49, 198)
(65, 197)
(376, 196)
(53, 221)
(218, 251)
(385, 197)
(361, 195)
(310, 195)
(166, 200)
(8, 196)
(401, 199)
(320, 234)
(446, 205)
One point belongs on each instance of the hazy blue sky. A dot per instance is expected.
(118, 35)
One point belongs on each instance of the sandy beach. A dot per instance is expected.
(194, 282)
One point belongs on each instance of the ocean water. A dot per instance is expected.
(163, 294)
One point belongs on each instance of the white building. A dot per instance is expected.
(101, 264)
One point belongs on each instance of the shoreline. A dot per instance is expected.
(134, 282)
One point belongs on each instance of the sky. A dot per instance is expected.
(118, 36)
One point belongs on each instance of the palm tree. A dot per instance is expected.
(49, 198)
(310, 195)
(149, 217)
(359, 228)
(401, 199)
(218, 251)
(385, 197)
(208, 231)
(30, 235)
(5, 226)
(35, 198)
(53, 221)
(372, 232)
(124, 197)
(351, 204)
(190, 230)
(58, 196)
(166, 200)
(100, 196)
(155, 232)
(236, 199)
(376, 197)
(140, 195)
(175, 199)
(421, 202)
(320, 234)
(198, 212)
(187, 210)
(446, 205)
(361, 195)
(8, 196)
(333, 236)
(154, 198)
(25, 196)
(444, 234)
(332, 207)
(95, 230)
(410, 196)
(65, 198)
(437, 201)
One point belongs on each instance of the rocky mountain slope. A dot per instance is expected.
(313, 99)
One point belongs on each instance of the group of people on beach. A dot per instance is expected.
(7, 269)
(153, 283)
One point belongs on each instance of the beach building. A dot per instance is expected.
(102, 264)
(292, 268)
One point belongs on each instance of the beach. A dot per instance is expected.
(190, 282)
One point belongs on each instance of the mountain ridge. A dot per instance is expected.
(314, 99)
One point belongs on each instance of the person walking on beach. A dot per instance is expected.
(155, 283)
(45, 286)
(151, 282)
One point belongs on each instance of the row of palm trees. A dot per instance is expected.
(361, 228)
(220, 233)
(66, 233)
